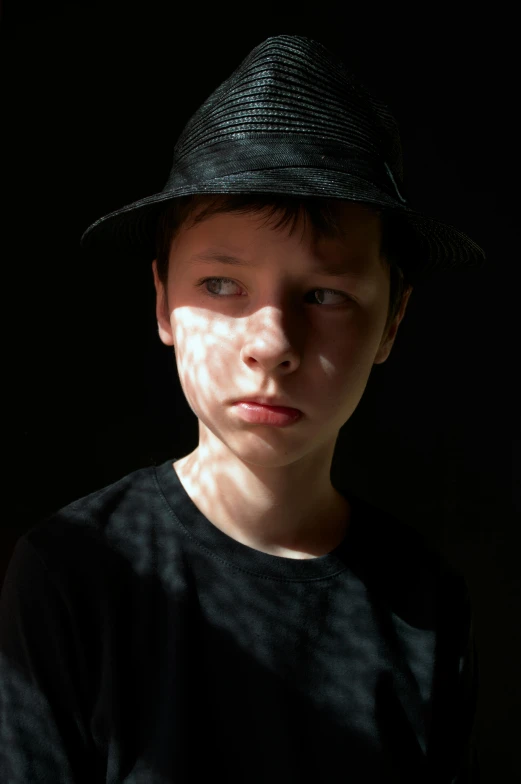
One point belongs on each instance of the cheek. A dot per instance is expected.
(203, 364)
(349, 347)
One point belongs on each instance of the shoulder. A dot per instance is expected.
(91, 527)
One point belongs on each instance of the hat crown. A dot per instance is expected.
(292, 87)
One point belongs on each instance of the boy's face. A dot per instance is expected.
(267, 331)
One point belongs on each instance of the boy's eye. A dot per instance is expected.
(203, 283)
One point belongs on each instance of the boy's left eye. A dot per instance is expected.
(204, 281)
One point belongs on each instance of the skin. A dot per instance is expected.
(266, 487)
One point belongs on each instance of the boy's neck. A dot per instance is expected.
(295, 527)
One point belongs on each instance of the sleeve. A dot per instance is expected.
(42, 734)
(454, 746)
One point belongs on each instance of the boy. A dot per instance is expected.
(230, 613)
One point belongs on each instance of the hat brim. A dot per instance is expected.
(131, 230)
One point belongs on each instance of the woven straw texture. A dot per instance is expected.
(292, 120)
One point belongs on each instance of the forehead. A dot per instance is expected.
(246, 239)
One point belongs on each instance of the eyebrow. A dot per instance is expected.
(211, 255)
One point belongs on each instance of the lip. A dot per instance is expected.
(276, 402)
(261, 414)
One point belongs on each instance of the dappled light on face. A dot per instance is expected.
(231, 354)
(222, 357)
(261, 334)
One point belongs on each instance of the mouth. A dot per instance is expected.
(274, 403)
(257, 413)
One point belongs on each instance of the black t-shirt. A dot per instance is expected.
(141, 644)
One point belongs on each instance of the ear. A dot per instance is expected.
(164, 327)
(388, 340)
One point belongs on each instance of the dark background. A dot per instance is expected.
(94, 95)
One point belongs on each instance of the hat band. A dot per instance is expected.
(238, 156)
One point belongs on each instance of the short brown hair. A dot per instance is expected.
(316, 210)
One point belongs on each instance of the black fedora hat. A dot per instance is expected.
(291, 119)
